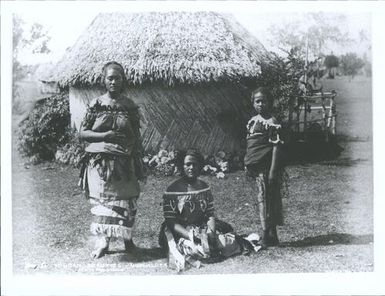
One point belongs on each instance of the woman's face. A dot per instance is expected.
(113, 80)
(191, 167)
(259, 103)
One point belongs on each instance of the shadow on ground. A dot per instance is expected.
(311, 152)
(331, 239)
(343, 161)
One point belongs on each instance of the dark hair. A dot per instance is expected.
(261, 89)
(191, 152)
(117, 66)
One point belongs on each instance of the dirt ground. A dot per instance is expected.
(328, 215)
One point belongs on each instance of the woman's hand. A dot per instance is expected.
(113, 137)
(272, 178)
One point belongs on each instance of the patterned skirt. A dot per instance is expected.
(113, 218)
(184, 253)
(111, 185)
(269, 195)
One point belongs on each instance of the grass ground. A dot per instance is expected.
(328, 221)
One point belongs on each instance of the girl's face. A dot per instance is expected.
(259, 103)
(113, 80)
(191, 167)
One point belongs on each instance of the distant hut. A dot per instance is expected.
(45, 76)
(186, 72)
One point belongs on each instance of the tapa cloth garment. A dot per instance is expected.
(109, 174)
(259, 148)
(113, 218)
(271, 197)
(257, 165)
(111, 170)
(111, 178)
(192, 208)
(185, 253)
(187, 206)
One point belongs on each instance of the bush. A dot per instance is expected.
(281, 75)
(45, 129)
(351, 64)
(73, 152)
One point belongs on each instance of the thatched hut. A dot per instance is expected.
(186, 72)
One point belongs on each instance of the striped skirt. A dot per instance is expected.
(271, 197)
(113, 218)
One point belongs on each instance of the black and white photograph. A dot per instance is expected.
(160, 144)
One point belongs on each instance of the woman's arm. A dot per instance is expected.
(177, 228)
(274, 164)
(211, 228)
(275, 161)
(211, 225)
(92, 136)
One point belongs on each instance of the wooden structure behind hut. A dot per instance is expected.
(185, 71)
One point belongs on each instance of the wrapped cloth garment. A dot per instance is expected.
(113, 218)
(262, 135)
(109, 173)
(192, 209)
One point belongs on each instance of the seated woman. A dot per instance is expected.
(190, 232)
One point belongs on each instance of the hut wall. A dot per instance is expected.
(211, 117)
(79, 99)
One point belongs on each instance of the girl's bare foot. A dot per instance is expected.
(129, 245)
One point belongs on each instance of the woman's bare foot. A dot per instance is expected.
(98, 253)
(101, 248)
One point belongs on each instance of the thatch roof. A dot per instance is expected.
(172, 47)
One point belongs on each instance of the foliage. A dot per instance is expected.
(351, 64)
(281, 76)
(46, 128)
(331, 61)
(316, 30)
(28, 37)
(72, 152)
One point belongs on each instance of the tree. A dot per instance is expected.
(331, 62)
(351, 64)
(281, 75)
(30, 37)
(310, 34)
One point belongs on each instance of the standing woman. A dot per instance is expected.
(263, 166)
(112, 165)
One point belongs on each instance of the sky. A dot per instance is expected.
(66, 21)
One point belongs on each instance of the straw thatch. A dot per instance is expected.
(171, 47)
(184, 69)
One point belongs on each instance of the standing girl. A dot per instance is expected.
(112, 166)
(263, 166)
